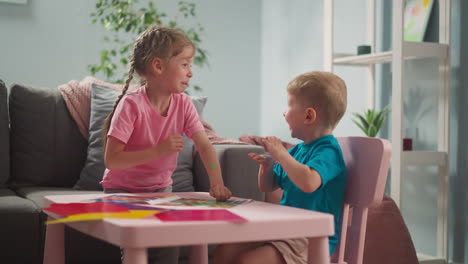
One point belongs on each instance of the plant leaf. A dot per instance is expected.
(126, 20)
(360, 126)
(362, 120)
(372, 132)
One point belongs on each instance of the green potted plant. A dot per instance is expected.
(371, 120)
(125, 20)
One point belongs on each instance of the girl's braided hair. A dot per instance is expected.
(155, 42)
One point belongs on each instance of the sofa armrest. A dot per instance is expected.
(239, 171)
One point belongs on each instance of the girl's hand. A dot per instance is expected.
(173, 143)
(220, 192)
(274, 146)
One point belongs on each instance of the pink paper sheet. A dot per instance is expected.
(82, 208)
(200, 215)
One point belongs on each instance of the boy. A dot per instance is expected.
(312, 174)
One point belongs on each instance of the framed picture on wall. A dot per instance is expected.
(416, 16)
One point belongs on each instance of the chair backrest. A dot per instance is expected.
(367, 161)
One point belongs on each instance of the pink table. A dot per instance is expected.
(266, 221)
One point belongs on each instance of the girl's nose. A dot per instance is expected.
(190, 73)
(284, 114)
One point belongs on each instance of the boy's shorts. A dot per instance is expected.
(294, 251)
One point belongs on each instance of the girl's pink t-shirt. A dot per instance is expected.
(137, 124)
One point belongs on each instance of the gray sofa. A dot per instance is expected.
(42, 153)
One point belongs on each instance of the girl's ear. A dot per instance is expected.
(157, 66)
(311, 116)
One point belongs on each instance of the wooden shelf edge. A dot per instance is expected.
(411, 51)
(424, 158)
(426, 259)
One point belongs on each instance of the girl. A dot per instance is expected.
(144, 131)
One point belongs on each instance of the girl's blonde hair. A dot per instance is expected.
(156, 42)
(324, 91)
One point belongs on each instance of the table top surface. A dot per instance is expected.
(265, 221)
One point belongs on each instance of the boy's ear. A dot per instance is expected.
(311, 116)
(157, 65)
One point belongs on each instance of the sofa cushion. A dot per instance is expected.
(4, 137)
(102, 103)
(97, 251)
(47, 147)
(21, 234)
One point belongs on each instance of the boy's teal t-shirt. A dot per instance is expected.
(323, 155)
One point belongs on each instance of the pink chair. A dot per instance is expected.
(367, 161)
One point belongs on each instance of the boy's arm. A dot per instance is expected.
(266, 176)
(304, 177)
(211, 162)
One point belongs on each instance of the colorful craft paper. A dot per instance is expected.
(137, 199)
(188, 204)
(137, 214)
(200, 215)
(82, 208)
(141, 206)
(131, 206)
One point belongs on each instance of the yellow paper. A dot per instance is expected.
(98, 216)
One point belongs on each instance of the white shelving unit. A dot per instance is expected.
(402, 51)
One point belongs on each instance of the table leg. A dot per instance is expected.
(135, 256)
(319, 252)
(199, 254)
(54, 249)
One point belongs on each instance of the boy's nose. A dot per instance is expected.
(190, 74)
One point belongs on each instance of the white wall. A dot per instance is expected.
(232, 82)
(255, 48)
(49, 42)
(292, 43)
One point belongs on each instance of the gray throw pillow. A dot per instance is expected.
(102, 102)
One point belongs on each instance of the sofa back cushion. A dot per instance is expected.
(47, 147)
(4, 137)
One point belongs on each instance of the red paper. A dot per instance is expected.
(200, 215)
(67, 209)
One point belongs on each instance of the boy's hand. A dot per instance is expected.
(220, 192)
(274, 146)
(264, 160)
(173, 143)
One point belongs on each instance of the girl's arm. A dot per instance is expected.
(210, 160)
(115, 157)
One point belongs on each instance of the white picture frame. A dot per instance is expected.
(416, 17)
